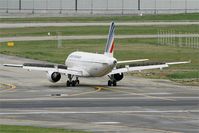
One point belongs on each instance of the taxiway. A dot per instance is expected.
(135, 105)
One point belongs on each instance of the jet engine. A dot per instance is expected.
(118, 76)
(53, 76)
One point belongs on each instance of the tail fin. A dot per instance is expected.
(110, 41)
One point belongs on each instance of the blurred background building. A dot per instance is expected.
(99, 6)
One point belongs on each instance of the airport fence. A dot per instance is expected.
(99, 6)
(170, 37)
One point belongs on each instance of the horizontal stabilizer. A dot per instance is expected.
(175, 63)
(12, 65)
(131, 61)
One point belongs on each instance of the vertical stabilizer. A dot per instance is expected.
(109, 49)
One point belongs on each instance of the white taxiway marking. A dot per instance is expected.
(23, 25)
(96, 112)
(92, 98)
(106, 122)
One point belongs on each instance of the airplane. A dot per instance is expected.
(85, 64)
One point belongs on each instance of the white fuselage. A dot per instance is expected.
(91, 64)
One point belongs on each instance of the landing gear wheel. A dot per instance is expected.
(114, 83)
(77, 81)
(73, 83)
(68, 83)
(109, 83)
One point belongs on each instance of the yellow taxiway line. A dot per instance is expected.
(7, 87)
(88, 92)
(138, 94)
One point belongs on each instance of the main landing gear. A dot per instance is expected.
(71, 82)
(112, 81)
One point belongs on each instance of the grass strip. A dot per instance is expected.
(29, 129)
(185, 75)
(97, 30)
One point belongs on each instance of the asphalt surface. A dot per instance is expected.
(23, 25)
(42, 38)
(135, 105)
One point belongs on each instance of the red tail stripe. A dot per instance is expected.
(112, 47)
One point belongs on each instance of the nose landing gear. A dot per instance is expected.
(71, 82)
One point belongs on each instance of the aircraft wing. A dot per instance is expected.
(63, 69)
(131, 61)
(130, 68)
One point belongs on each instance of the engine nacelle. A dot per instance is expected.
(53, 76)
(118, 76)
